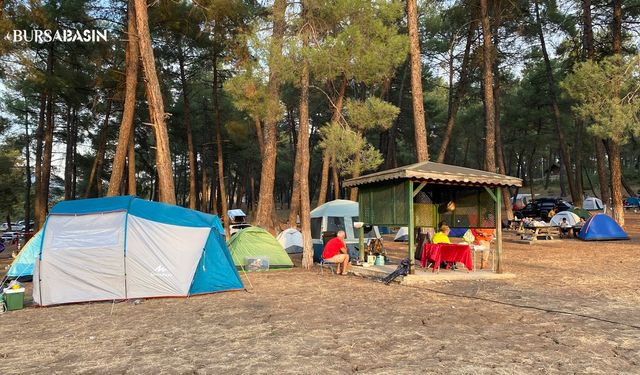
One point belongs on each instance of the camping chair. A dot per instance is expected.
(330, 265)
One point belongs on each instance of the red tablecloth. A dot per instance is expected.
(447, 253)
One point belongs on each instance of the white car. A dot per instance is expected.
(4, 226)
(9, 236)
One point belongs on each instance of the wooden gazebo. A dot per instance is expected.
(420, 195)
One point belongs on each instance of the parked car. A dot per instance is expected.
(541, 208)
(9, 236)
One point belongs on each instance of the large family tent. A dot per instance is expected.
(22, 266)
(572, 219)
(256, 242)
(127, 247)
(602, 227)
(291, 240)
(334, 216)
(592, 203)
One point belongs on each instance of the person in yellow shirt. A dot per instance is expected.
(443, 235)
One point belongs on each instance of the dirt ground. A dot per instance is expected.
(574, 307)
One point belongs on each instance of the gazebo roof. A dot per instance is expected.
(437, 173)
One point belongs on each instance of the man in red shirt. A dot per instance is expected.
(335, 251)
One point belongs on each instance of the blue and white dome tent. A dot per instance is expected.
(127, 247)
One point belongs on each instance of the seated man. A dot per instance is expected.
(484, 237)
(335, 251)
(578, 227)
(565, 229)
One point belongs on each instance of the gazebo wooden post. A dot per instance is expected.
(498, 256)
(410, 221)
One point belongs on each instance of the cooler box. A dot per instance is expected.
(14, 298)
(254, 264)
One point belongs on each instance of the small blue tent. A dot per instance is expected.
(127, 247)
(22, 266)
(602, 228)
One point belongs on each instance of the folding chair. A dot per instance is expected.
(330, 265)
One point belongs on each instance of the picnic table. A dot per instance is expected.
(540, 233)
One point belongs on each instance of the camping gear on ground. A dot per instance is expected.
(581, 212)
(379, 260)
(402, 270)
(602, 227)
(125, 248)
(592, 203)
(255, 264)
(335, 216)
(13, 298)
(371, 259)
(257, 242)
(572, 219)
(291, 240)
(402, 235)
(22, 265)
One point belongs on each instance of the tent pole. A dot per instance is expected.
(498, 256)
(410, 221)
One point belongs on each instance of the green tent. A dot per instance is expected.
(255, 242)
(581, 212)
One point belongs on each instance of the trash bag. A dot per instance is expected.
(402, 270)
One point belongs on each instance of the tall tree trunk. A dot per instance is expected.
(267, 176)
(204, 189)
(422, 150)
(48, 144)
(193, 199)
(489, 111)
(260, 135)
(95, 177)
(27, 159)
(587, 26)
(68, 158)
(590, 54)
(553, 96)
(220, 158)
(324, 177)
(38, 203)
(131, 165)
(335, 177)
(603, 178)
(617, 27)
(454, 103)
(327, 156)
(614, 145)
(616, 181)
(302, 153)
(294, 207)
(502, 169)
(578, 158)
(132, 55)
(166, 187)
